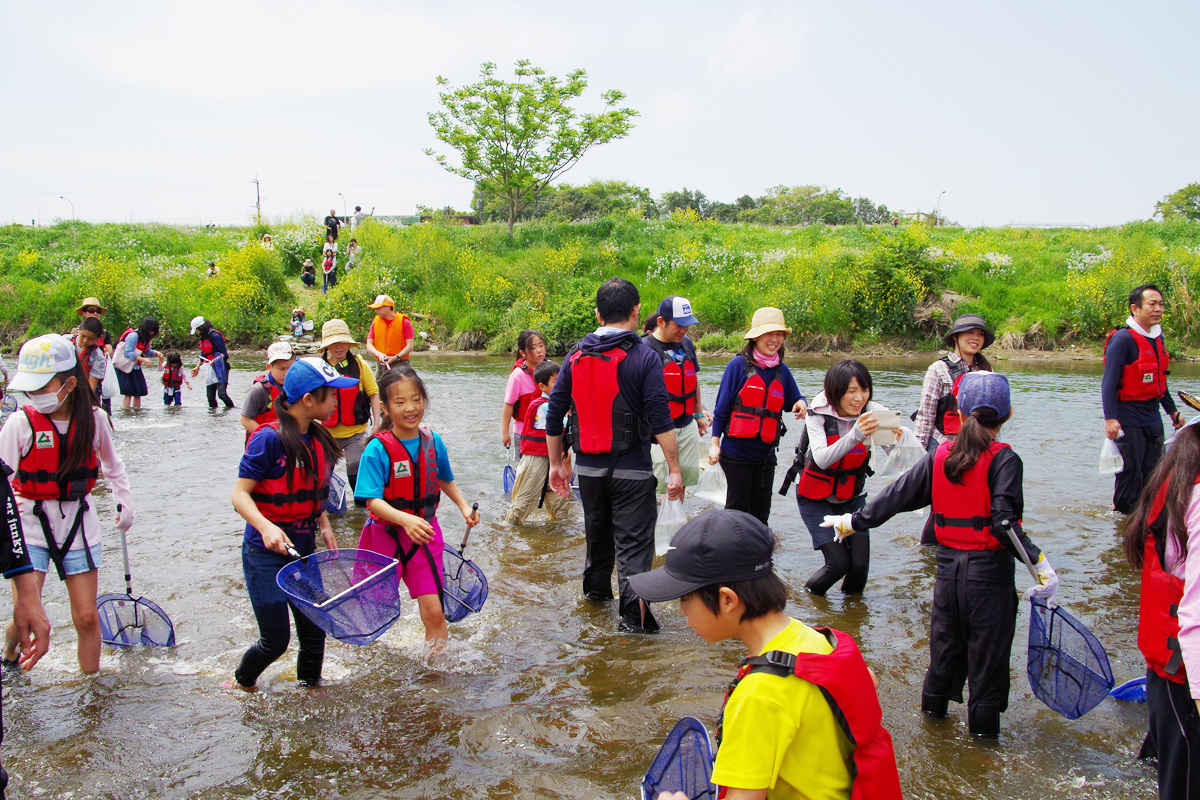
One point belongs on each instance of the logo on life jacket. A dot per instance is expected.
(44, 440)
(401, 470)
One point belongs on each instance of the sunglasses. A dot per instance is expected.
(92, 310)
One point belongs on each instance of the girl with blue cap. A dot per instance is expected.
(974, 486)
(283, 480)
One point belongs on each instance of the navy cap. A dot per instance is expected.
(678, 310)
(984, 390)
(719, 546)
(310, 373)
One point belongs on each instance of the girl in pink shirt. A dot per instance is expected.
(521, 389)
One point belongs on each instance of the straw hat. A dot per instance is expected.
(766, 320)
(90, 301)
(334, 331)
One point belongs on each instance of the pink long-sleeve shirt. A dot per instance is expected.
(1189, 607)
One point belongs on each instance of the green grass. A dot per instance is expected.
(843, 286)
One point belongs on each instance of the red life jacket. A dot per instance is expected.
(344, 405)
(842, 480)
(680, 379)
(523, 401)
(206, 346)
(844, 680)
(412, 484)
(1146, 377)
(1158, 617)
(603, 421)
(86, 355)
(758, 408)
(962, 513)
(172, 378)
(945, 417)
(141, 346)
(37, 475)
(533, 441)
(296, 497)
(268, 415)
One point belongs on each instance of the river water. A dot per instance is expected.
(540, 695)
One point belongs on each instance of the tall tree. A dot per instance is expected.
(515, 137)
(1184, 203)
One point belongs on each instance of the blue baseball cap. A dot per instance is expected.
(310, 373)
(984, 390)
(678, 310)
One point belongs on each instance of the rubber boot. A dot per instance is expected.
(984, 723)
(935, 707)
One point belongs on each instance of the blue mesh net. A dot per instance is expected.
(683, 764)
(126, 621)
(464, 586)
(353, 595)
(1133, 691)
(510, 478)
(1068, 669)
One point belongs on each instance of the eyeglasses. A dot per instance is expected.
(92, 310)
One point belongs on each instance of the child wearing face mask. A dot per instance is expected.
(58, 443)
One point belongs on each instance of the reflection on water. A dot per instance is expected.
(539, 695)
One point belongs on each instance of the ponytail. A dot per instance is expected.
(293, 444)
(978, 432)
(1178, 468)
(83, 420)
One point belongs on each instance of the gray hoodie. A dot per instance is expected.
(849, 433)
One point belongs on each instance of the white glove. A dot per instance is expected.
(840, 524)
(125, 518)
(1047, 580)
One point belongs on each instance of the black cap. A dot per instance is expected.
(719, 546)
(968, 322)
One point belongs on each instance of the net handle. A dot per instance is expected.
(1021, 549)
(463, 546)
(373, 578)
(125, 555)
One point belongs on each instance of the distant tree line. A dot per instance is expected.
(781, 205)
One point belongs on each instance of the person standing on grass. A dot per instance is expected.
(390, 337)
(668, 337)
(214, 351)
(332, 223)
(613, 386)
(1134, 385)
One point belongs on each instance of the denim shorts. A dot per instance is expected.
(75, 563)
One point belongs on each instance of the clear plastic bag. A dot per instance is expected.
(1111, 461)
(712, 486)
(207, 374)
(670, 520)
(905, 454)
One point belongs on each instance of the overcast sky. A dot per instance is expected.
(1021, 112)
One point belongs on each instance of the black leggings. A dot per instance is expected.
(215, 390)
(749, 485)
(849, 559)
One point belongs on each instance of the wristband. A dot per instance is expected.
(698, 415)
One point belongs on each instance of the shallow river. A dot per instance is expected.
(541, 696)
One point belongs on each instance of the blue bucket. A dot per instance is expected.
(352, 595)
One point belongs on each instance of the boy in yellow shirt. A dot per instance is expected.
(780, 736)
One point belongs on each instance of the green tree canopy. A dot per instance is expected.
(1184, 204)
(801, 205)
(515, 137)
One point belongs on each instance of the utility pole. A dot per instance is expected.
(257, 201)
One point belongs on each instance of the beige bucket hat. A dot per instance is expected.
(766, 320)
(334, 331)
(89, 302)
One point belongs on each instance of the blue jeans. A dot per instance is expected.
(271, 608)
(172, 394)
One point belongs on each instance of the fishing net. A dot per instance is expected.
(1133, 691)
(464, 586)
(353, 595)
(683, 764)
(335, 501)
(510, 478)
(126, 620)
(1067, 667)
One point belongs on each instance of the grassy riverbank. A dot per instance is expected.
(845, 287)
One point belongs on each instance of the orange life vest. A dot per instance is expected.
(389, 337)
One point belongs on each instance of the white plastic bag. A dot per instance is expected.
(670, 520)
(905, 454)
(1111, 461)
(207, 375)
(712, 486)
(109, 388)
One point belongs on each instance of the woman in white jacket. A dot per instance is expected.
(835, 472)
